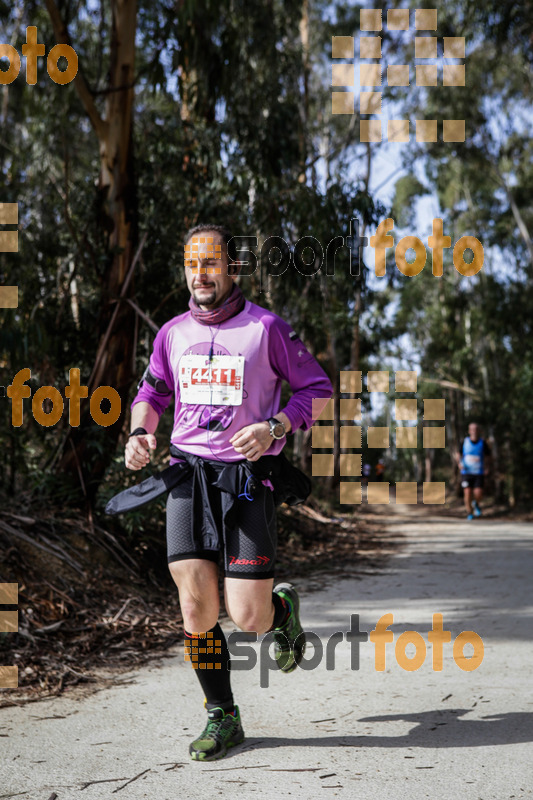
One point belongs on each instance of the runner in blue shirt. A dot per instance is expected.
(474, 462)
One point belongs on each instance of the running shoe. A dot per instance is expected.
(223, 730)
(477, 510)
(470, 516)
(290, 638)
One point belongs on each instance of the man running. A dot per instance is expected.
(224, 361)
(474, 462)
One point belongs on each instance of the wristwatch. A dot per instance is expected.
(277, 428)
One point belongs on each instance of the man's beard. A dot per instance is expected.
(205, 300)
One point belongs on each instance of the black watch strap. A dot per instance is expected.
(138, 432)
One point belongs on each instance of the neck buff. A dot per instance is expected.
(233, 303)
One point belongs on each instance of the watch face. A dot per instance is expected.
(277, 429)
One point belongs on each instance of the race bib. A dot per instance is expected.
(215, 382)
(472, 462)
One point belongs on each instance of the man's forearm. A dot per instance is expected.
(286, 421)
(144, 416)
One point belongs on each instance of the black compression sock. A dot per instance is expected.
(281, 611)
(209, 655)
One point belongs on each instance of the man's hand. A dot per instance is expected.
(252, 440)
(138, 450)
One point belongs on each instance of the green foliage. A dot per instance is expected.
(231, 123)
(406, 190)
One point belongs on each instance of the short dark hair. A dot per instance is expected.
(224, 232)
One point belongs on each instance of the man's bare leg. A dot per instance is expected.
(478, 496)
(468, 499)
(197, 582)
(249, 603)
(207, 649)
(253, 606)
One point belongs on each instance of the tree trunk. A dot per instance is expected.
(428, 463)
(334, 480)
(355, 350)
(304, 124)
(118, 210)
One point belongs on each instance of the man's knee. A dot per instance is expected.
(198, 593)
(176, 570)
(195, 573)
(198, 616)
(253, 619)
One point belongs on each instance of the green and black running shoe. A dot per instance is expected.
(290, 638)
(223, 730)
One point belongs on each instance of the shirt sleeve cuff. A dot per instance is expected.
(293, 418)
(151, 402)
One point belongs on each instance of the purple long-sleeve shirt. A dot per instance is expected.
(272, 353)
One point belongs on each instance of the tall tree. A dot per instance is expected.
(119, 220)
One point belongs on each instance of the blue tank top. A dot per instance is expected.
(473, 457)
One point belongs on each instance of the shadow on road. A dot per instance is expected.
(432, 729)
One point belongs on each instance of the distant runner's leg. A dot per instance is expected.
(478, 496)
(468, 499)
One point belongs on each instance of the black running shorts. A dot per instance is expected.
(249, 549)
(472, 481)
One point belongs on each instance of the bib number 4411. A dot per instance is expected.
(218, 375)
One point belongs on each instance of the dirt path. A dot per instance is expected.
(346, 732)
